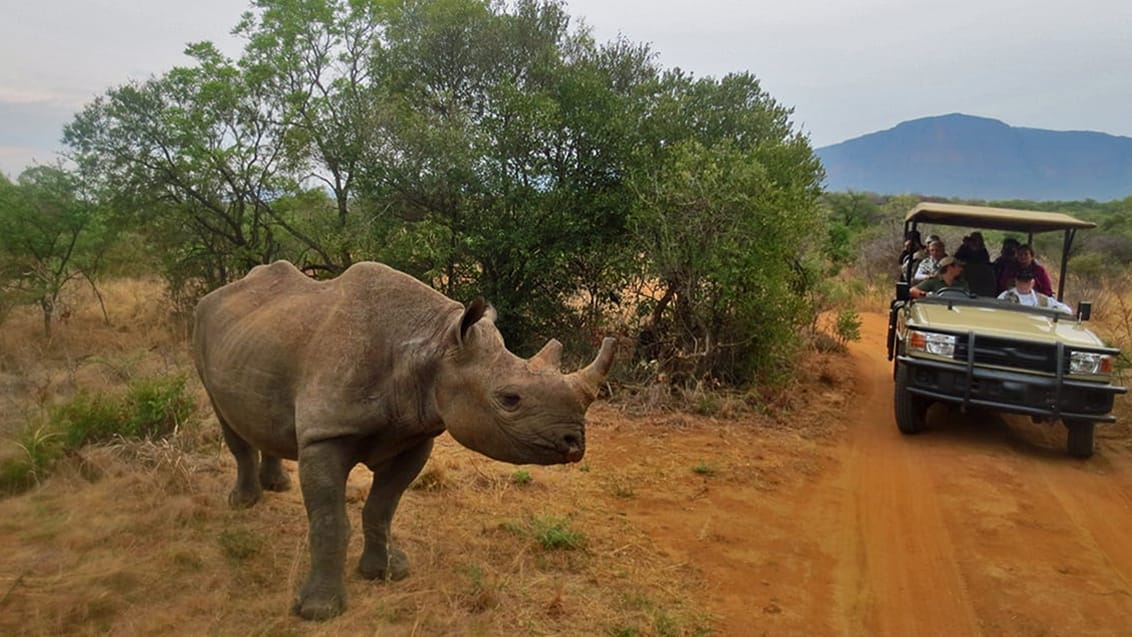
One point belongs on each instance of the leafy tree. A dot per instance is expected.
(849, 214)
(195, 160)
(725, 218)
(513, 134)
(51, 233)
(312, 62)
(486, 147)
(726, 252)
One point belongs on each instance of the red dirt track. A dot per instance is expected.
(982, 525)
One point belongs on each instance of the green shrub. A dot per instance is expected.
(848, 326)
(157, 406)
(151, 408)
(16, 475)
(88, 418)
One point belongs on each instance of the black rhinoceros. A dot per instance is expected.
(369, 368)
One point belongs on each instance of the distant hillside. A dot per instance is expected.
(974, 157)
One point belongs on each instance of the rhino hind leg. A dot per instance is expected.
(247, 490)
(272, 477)
(381, 559)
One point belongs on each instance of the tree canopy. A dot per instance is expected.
(487, 148)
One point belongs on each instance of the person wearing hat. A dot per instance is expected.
(949, 276)
(1024, 293)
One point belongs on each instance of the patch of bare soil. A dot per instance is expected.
(825, 522)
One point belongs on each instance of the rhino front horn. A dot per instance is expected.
(588, 381)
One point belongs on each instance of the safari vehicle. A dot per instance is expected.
(974, 350)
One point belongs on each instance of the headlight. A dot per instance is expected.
(1089, 363)
(932, 343)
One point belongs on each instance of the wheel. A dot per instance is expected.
(1080, 438)
(911, 410)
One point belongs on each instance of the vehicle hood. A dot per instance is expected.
(1003, 321)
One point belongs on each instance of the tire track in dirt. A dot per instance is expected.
(981, 525)
(888, 536)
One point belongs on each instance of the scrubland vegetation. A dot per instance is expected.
(128, 531)
(488, 150)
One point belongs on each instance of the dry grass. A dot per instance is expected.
(1112, 320)
(86, 351)
(136, 537)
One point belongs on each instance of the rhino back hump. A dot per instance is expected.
(275, 335)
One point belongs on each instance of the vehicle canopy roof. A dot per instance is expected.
(1028, 221)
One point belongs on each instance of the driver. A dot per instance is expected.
(949, 276)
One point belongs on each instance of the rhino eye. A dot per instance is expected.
(509, 400)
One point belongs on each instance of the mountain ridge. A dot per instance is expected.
(965, 156)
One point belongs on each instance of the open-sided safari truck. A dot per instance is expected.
(959, 347)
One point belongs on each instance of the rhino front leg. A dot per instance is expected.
(380, 559)
(323, 468)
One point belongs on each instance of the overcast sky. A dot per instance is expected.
(846, 67)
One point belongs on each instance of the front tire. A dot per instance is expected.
(911, 410)
(1080, 440)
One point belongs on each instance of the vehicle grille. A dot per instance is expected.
(1007, 353)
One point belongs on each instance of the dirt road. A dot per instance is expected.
(979, 526)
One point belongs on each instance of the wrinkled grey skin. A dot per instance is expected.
(369, 368)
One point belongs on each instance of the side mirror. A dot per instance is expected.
(1084, 310)
(902, 291)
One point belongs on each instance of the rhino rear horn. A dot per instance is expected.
(549, 357)
(588, 381)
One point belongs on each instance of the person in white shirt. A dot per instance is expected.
(929, 267)
(1024, 293)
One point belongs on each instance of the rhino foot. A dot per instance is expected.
(277, 481)
(242, 499)
(375, 568)
(319, 608)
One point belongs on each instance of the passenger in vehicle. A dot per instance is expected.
(912, 247)
(929, 267)
(1005, 264)
(979, 274)
(949, 276)
(1024, 293)
(1026, 261)
(973, 250)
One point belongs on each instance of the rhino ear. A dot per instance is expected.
(474, 311)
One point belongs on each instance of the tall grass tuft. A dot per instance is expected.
(40, 448)
(152, 408)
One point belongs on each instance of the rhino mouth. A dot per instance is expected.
(572, 447)
(575, 453)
